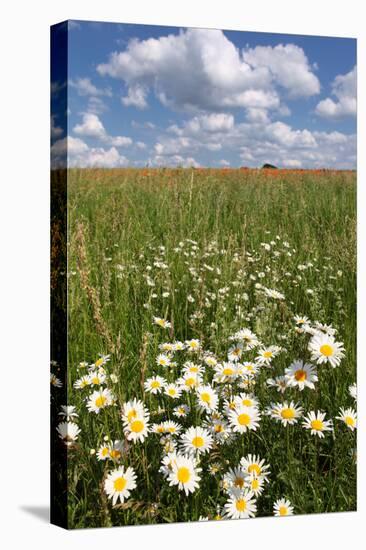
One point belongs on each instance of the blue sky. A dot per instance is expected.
(165, 96)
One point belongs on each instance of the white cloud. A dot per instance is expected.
(288, 66)
(175, 160)
(56, 131)
(344, 89)
(74, 152)
(84, 87)
(136, 97)
(93, 127)
(202, 70)
(224, 162)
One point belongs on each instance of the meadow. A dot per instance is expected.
(211, 323)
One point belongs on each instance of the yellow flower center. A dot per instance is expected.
(241, 505)
(193, 369)
(105, 451)
(193, 345)
(326, 350)
(244, 419)
(206, 397)
(190, 382)
(99, 362)
(283, 511)
(95, 380)
(219, 428)
(249, 367)
(115, 453)
(247, 402)
(317, 425)
(198, 441)
(172, 391)
(155, 384)
(349, 421)
(288, 414)
(100, 401)
(254, 468)
(132, 414)
(183, 474)
(255, 484)
(160, 429)
(228, 371)
(300, 375)
(267, 354)
(119, 484)
(137, 426)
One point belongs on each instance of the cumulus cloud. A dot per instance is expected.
(74, 152)
(202, 70)
(288, 66)
(344, 90)
(93, 127)
(85, 87)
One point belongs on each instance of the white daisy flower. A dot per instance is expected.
(226, 372)
(103, 452)
(189, 381)
(137, 429)
(246, 400)
(244, 419)
(120, 483)
(155, 384)
(353, 391)
(207, 398)
(172, 428)
(56, 382)
(255, 484)
(283, 507)
(235, 479)
(254, 465)
(301, 375)
(133, 409)
(173, 391)
(280, 382)
(247, 337)
(160, 322)
(99, 400)
(349, 417)
(68, 432)
(193, 345)
(266, 355)
(317, 424)
(163, 360)
(196, 440)
(68, 412)
(181, 411)
(241, 505)
(286, 413)
(324, 349)
(185, 474)
(82, 382)
(235, 352)
(101, 361)
(96, 378)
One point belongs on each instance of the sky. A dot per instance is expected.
(143, 95)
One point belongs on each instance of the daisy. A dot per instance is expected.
(167, 462)
(101, 361)
(181, 411)
(155, 384)
(82, 382)
(163, 360)
(120, 483)
(271, 293)
(178, 346)
(280, 382)
(283, 507)
(241, 505)
(173, 391)
(324, 349)
(184, 474)
(103, 452)
(207, 398)
(171, 427)
(255, 484)
(167, 346)
(191, 368)
(163, 323)
(196, 440)
(96, 378)
(235, 352)
(225, 372)
(253, 464)
(133, 409)
(266, 355)
(68, 412)
(68, 432)
(137, 429)
(100, 399)
(286, 413)
(247, 337)
(56, 382)
(244, 418)
(246, 400)
(249, 368)
(349, 417)
(189, 381)
(157, 428)
(210, 360)
(301, 320)
(219, 428)
(317, 424)
(301, 375)
(353, 391)
(235, 479)
(117, 449)
(193, 345)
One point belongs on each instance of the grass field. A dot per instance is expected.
(210, 252)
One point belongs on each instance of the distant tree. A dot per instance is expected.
(266, 165)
